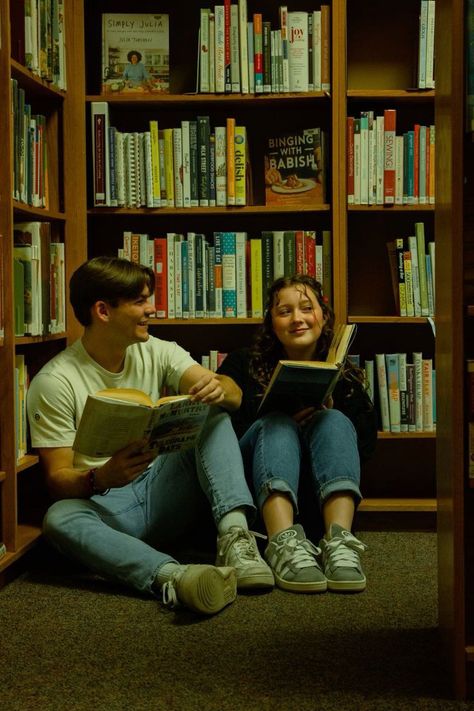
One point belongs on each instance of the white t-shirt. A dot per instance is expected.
(58, 393)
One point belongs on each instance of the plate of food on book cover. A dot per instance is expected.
(292, 184)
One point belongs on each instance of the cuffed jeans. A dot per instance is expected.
(277, 453)
(117, 535)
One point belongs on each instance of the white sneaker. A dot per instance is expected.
(294, 561)
(238, 548)
(203, 588)
(341, 563)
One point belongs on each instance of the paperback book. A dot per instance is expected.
(135, 53)
(294, 168)
(115, 417)
(298, 384)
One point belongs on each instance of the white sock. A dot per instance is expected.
(166, 571)
(236, 517)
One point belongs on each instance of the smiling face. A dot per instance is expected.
(130, 318)
(297, 321)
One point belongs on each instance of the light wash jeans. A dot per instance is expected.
(117, 535)
(278, 455)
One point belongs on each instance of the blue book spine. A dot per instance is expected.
(229, 290)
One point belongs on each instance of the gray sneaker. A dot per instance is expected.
(293, 560)
(341, 563)
(202, 588)
(238, 548)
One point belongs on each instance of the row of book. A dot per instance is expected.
(39, 280)
(188, 166)
(42, 43)
(213, 359)
(228, 275)
(30, 167)
(243, 54)
(412, 271)
(386, 168)
(403, 391)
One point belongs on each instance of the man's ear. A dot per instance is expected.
(101, 311)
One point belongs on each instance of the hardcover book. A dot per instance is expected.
(297, 384)
(115, 417)
(294, 168)
(135, 53)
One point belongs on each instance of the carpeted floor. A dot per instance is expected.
(70, 641)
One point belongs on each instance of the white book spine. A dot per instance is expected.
(278, 254)
(243, 47)
(204, 51)
(364, 160)
(380, 148)
(418, 363)
(192, 273)
(219, 48)
(148, 170)
(430, 37)
(212, 53)
(415, 275)
(422, 44)
(427, 385)
(284, 43)
(298, 50)
(240, 274)
(392, 369)
(234, 49)
(178, 167)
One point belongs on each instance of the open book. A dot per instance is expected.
(297, 384)
(115, 417)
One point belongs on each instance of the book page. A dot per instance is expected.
(107, 426)
(176, 425)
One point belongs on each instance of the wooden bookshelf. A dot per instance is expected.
(367, 73)
(454, 343)
(22, 498)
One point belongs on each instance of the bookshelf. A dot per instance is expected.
(22, 497)
(455, 237)
(378, 74)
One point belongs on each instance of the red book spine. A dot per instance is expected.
(389, 156)
(160, 260)
(299, 251)
(310, 253)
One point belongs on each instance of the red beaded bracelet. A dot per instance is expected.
(93, 490)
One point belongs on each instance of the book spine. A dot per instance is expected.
(258, 52)
(100, 152)
(243, 47)
(392, 369)
(219, 26)
(234, 49)
(186, 162)
(240, 153)
(350, 159)
(193, 165)
(204, 51)
(161, 276)
(155, 163)
(230, 159)
(326, 47)
(240, 274)
(298, 50)
(256, 277)
(284, 41)
(221, 166)
(389, 156)
(227, 47)
(229, 294)
(219, 311)
(204, 133)
(382, 391)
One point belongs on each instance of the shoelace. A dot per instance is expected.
(168, 591)
(245, 545)
(301, 554)
(343, 551)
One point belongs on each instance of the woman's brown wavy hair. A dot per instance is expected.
(266, 349)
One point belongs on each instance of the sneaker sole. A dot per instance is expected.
(347, 585)
(298, 587)
(258, 580)
(211, 591)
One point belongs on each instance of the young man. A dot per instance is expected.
(116, 515)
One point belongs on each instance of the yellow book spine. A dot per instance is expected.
(155, 164)
(169, 169)
(256, 277)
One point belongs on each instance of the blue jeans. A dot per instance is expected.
(279, 456)
(118, 535)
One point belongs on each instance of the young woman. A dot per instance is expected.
(307, 464)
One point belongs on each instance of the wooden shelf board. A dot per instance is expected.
(27, 537)
(26, 462)
(34, 83)
(399, 94)
(406, 435)
(22, 340)
(398, 505)
(255, 99)
(167, 211)
(391, 208)
(41, 213)
(204, 321)
(387, 319)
